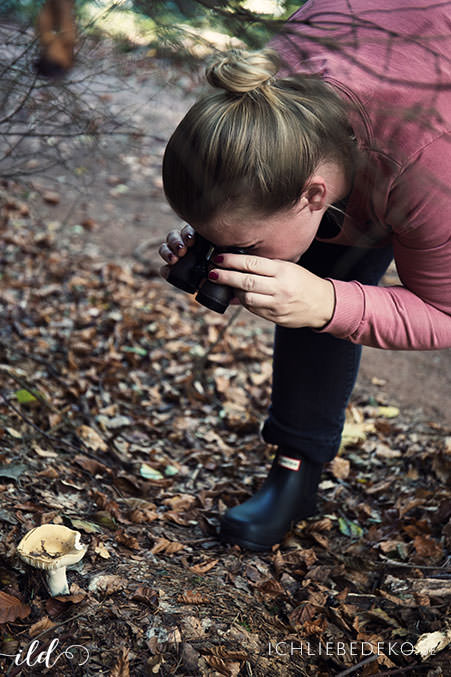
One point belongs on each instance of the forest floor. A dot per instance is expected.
(131, 414)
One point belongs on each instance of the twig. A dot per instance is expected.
(23, 417)
(54, 442)
(68, 620)
(29, 387)
(393, 562)
(354, 668)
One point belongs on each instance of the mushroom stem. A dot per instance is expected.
(57, 581)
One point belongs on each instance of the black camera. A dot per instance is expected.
(191, 274)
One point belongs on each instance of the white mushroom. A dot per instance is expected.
(52, 547)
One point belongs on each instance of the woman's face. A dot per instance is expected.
(285, 235)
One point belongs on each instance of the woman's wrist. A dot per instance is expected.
(325, 306)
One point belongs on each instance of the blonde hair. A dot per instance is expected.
(254, 145)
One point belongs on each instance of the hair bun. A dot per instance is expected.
(239, 71)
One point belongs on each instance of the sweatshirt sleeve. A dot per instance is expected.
(417, 315)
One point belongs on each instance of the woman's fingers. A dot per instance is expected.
(166, 254)
(177, 244)
(255, 301)
(258, 276)
(256, 265)
(188, 233)
(255, 284)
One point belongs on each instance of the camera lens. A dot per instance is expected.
(215, 296)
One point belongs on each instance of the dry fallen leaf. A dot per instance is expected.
(203, 567)
(102, 551)
(107, 583)
(121, 667)
(192, 597)
(340, 467)
(431, 643)
(12, 608)
(51, 197)
(427, 549)
(92, 438)
(147, 595)
(127, 539)
(163, 545)
(43, 624)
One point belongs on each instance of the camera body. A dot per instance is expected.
(191, 274)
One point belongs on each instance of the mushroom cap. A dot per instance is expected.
(51, 546)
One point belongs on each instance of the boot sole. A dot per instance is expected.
(228, 535)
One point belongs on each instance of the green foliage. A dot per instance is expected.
(19, 10)
(162, 23)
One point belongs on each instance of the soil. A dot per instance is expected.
(120, 190)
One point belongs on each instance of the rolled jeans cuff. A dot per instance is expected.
(314, 449)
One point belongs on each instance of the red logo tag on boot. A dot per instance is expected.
(289, 463)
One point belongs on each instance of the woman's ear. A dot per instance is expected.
(316, 193)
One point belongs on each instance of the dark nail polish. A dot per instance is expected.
(213, 275)
(218, 258)
(180, 245)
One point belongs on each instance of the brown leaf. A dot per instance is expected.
(88, 224)
(324, 524)
(140, 516)
(407, 600)
(322, 540)
(108, 583)
(55, 607)
(192, 597)
(91, 465)
(177, 518)
(75, 597)
(165, 546)
(225, 652)
(278, 562)
(270, 587)
(427, 549)
(106, 503)
(307, 556)
(180, 502)
(219, 666)
(92, 438)
(340, 467)
(203, 567)
(12, 608)
(147, 595)
(51, 197)
(44, 624)
(127, 540)
(102, 551)
(49, 472)
(302, 614)
(384, 451)
(121, 668)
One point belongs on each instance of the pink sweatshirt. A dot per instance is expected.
(392, 59)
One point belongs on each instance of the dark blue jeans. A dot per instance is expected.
(314, 374)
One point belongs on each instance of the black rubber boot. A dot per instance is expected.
(287, 495)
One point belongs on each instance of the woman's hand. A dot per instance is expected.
(279, 291)
(176, 246)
